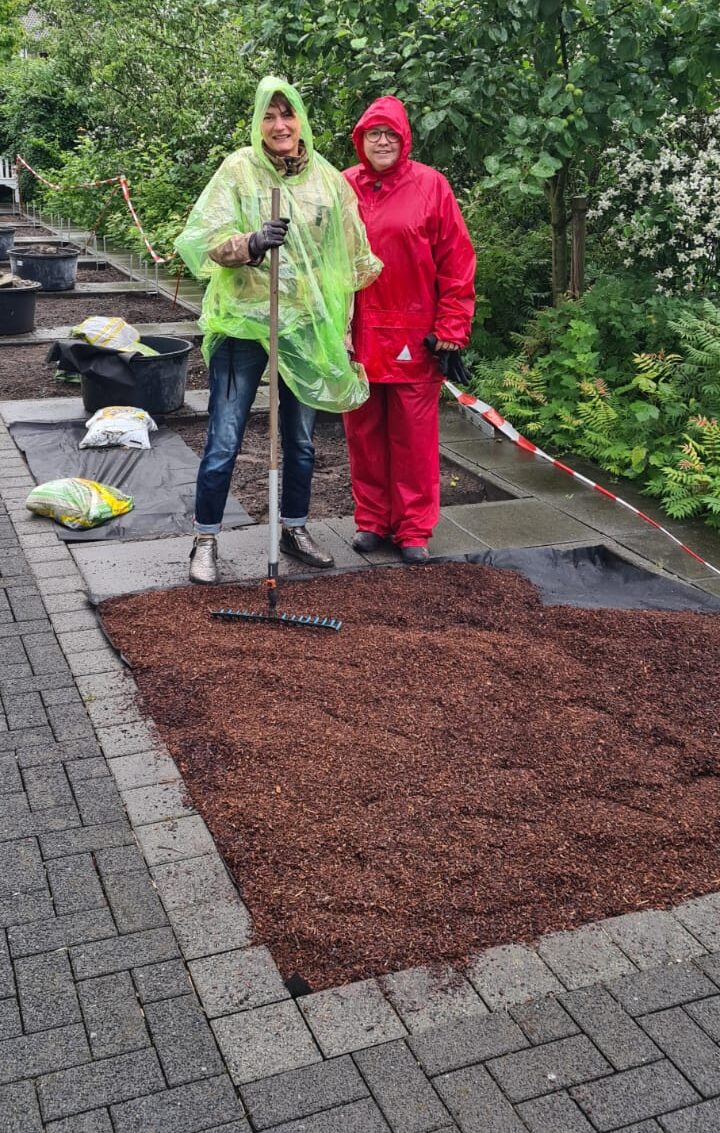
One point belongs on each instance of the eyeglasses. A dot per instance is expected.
(376, 134)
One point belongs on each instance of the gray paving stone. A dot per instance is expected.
(426, 998)
(75, 884)
(634, 1095)
(135, 950)
(47, 787)
(119, 859)
(24, 711)
(398, 1085)
(73, 620)
(46, 991)
(67, 695)
(350, 1018)
(24, 908)
(27, 1056)
(144, 769)
(583, 956)
(612, 1030)
(113, 1018)
(211, 928)
(703, 1118)
(543, 1020)
(98, 801)
(688, 1047)
(556, 1112)
(19, 1109)
(98, 1084)
(84, 664)
(659, 988)
(76, 600)
(21, 868)
(61, 932)
(127, 739)
(165, 980)
(301, 1093)
(358, 1117)
(79, 641)
(185, 1109)
(553, 1066)
(10, 781)
(710, 965)
(10, 1022)
(471, 1040)
(134, 902)
(510, 974)
(95, 1121)
(175, 839)
(236, 981)
(267, 1040)
(80, 769)
(701, 917)
(706, 1014)
(183, 1040)
(70, 721)
(98, 686)
(476, 1103)
(97, 837)
(155, 804)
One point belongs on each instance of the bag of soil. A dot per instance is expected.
(77, 503)
(113, 332)
(122, 425)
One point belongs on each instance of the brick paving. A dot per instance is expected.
(133, 998)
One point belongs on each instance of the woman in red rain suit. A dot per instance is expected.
(426, 287)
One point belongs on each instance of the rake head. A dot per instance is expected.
(308, 621)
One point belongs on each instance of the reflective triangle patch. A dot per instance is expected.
(404, 355)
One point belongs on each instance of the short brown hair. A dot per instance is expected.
(281, 101)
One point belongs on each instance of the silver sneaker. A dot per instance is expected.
(203, 559)
(299, 544)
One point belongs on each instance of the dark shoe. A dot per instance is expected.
(203, 559)
(366, 541)
(299, 543)
(414, 554)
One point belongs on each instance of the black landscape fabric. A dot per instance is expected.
(161, 479)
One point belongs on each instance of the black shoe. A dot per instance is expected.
(414, 554)
(299, 543)
(366, 541)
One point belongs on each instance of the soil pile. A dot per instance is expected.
(459, 767)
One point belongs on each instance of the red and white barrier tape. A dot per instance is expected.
(491, 415)
(123, 182)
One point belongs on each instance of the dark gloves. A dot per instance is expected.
(451, 363)
(271, 235)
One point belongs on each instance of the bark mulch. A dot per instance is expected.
(459, 767)
(62, 311)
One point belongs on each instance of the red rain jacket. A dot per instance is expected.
(426, 286)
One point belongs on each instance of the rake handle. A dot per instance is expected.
(273, 375)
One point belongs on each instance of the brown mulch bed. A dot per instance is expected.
(331, 495)
(63, 311)
(459, 767)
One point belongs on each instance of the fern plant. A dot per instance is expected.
(689, 486)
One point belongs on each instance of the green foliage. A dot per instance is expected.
(689, 485)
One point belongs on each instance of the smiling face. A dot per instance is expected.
(382, 146)
(280, 128)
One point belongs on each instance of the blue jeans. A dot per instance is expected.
(235, 371)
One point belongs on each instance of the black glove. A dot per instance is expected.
(452, 366)
(271, 235)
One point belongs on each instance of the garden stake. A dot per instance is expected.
(309, 621)
(491, 415)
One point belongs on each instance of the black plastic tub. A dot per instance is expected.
(158, 382)
(17, 307)
(54, 268)
(7, 239)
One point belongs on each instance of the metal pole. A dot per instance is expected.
(273, 500)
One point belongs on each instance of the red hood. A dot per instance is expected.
(389, 111)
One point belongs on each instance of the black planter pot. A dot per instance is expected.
(158, 381)
(17, 307)
(54, 270)
(7, 239)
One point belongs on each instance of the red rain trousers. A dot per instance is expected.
(426, 287)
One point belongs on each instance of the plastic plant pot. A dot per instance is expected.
(17, 306)
(54, 268)
(7, 239)
(158, 381)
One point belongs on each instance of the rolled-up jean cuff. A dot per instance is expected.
(294, 522)
(206, 528)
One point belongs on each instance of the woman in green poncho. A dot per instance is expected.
(325, 259)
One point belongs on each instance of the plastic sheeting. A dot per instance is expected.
(161, 480)
(326, 257)
(596, 578)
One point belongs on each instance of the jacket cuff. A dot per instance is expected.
(235, 252)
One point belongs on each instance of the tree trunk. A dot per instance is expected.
(555, 193)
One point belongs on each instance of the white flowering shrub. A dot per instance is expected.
(663, 212)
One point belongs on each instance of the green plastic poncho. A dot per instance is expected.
(326, 257)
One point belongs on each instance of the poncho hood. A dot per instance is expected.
(266, 89)
(385, 111)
